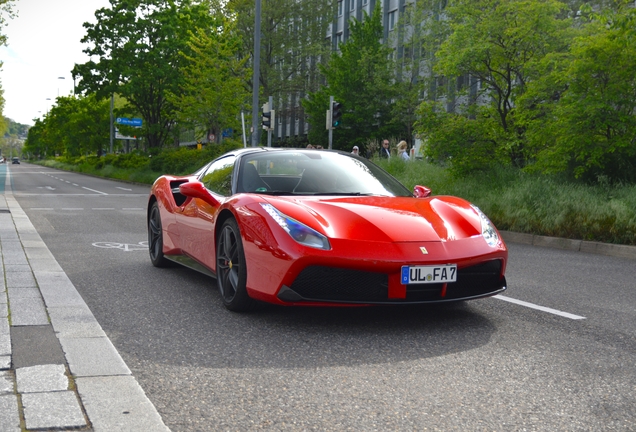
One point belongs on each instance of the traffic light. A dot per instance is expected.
(336, 114)
(269, 116)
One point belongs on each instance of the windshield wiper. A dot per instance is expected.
(276, 193)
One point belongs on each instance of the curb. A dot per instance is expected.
(609, 249)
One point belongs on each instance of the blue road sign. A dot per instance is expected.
(129, 122)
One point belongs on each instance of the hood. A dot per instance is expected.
(390, 219)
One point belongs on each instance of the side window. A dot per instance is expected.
(218, 176)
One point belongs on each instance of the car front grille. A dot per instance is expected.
(336, 284)
(330, 284)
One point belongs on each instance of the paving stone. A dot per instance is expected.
(75, 322)
(93, 357)
(4, 308)
(11, 246)
(23, 293)
(57, 289)
(6, 383)
(44, 264)
(17, 268)
(15, 258)
(118, 403)
(41, 378)
(5, 363)
(9, 418)
(34, 346)
(38, 253)
(28, 311)
(20, 280)
(52, 410)
(5, 344)
(8, 234)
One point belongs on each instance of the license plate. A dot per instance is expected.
(429, 274)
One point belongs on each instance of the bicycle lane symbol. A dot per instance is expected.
(125, 247)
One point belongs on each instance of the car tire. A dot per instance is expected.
(231, 270)
(155, 238)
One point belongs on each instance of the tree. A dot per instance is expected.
(75, 125)
(499, 42)
(361, 77)
(213, 91)
(292, 44)
(582, 119)
(138, 44)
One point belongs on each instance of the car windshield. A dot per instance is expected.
(312, 172)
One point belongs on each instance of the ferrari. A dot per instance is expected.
(321, 228)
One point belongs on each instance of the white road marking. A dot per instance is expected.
(123, 188)
(71, 208)
(541, 308)
(93, 190)
(103, 208)
(126, 247)
(75, 184)
(133, 208)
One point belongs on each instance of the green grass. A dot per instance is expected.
(514, 200)
(533, 203)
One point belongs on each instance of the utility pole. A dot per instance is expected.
(329, 120)
(256, 72)
(112, 132)
(271, 128)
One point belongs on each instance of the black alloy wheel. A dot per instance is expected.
(155, 238)
(231, 271)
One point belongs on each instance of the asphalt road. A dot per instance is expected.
(482, 365)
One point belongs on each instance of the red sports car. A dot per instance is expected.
(320, 227)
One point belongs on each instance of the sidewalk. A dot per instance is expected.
(58, 369)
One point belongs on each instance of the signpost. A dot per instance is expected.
(136, 122)
(125, 121)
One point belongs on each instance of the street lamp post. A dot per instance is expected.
(58, 87)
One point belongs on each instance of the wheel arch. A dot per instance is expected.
(224, 215)
(151, 200)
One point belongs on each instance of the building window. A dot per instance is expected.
(340, 7)
(338, 39)
(365, 2)
(407, 52)
(392, 19)
(352, 5)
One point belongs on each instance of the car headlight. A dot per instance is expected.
(300, 232)
(488, 231)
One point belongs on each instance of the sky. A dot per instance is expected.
(43, 46)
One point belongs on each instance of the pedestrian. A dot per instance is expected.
(309, 146)
(385, 152)
(402, 150)
(355, 151)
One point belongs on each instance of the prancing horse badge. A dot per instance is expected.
(423, 249)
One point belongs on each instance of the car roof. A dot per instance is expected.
(248, 150)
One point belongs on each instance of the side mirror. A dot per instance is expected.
(421, 191)
(195, 189)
